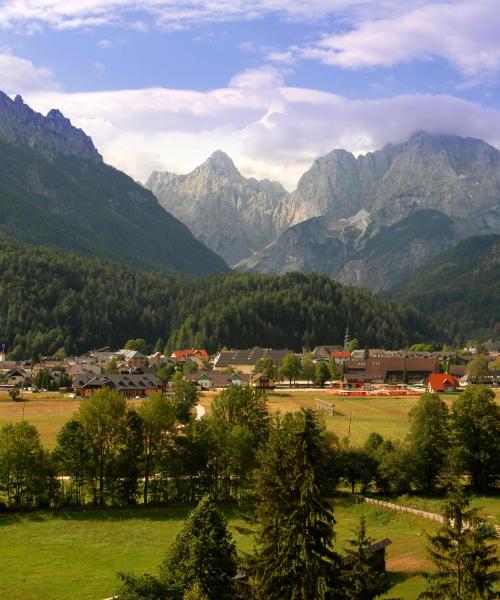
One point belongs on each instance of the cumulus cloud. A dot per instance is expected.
(464, 33)
(271, 130)
(21, 75)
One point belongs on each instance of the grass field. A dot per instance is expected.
(47, 412)
(56, 556)
(76, 554)
(355, 417)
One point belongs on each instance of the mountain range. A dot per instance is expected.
(55, 189)
(368, 221)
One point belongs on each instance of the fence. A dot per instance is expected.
(414, 511)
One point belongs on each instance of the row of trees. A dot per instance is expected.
(293, 367)
(443, 444)
(295, 556)
(113, 454)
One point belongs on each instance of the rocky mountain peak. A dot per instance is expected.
(52, 134)
(221, 164)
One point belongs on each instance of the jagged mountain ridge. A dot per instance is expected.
(51, 134)
(233, 215)
(56, 190)
(351, 205)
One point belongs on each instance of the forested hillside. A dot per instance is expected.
(56, 190)
(51, 300)
(460, 288)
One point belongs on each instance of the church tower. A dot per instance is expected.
(347, 338)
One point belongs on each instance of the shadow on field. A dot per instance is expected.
(141, 512)
(400, 577)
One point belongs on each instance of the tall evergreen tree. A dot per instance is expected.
(294, 558)
(201, 558)
(464, 553)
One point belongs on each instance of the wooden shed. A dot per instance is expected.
(377, 552)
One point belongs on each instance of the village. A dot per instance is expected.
(345, 370)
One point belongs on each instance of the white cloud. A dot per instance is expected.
(18, 75)
(176, 13)
(269, 129)
(465, 33)
(373, 32)
(104, 44)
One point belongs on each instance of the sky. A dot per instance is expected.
(161, 84)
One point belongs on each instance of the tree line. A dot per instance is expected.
(157, 452)
(59, 302)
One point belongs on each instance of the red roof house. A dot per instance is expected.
(442, 382)
(188, 353)
(340, 354)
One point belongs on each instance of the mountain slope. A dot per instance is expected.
(373, 219)
(81, 302)
(460, 288)
(232, 215)
(56, 190)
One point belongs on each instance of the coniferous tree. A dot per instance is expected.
(202, 557)
(360, 580)
(464, 553)
(294, 558)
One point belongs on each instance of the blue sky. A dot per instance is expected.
(161, 84)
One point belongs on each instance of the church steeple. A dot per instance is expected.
(347, 338)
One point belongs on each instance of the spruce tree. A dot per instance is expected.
(200, 564)
(203, 554)
(360, 579)
(464, 554)
(294, 558)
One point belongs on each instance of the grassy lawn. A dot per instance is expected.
(49, 556)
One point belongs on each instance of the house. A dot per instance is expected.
(131, 385)
(261, 382)
(493, 349)
(245, 360)
(209, 380)
(492, 378)
(131, 359)
(442, 382)
(199, 353)
(324, 353)
(15, 377)
(84, 369)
